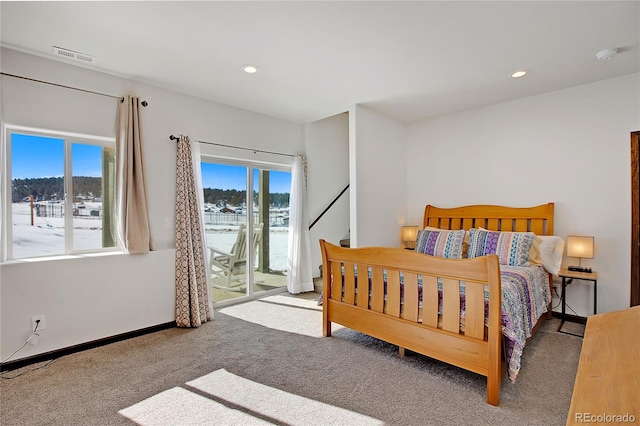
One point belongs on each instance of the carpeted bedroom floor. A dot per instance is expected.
(266, 362)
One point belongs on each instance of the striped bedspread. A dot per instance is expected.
(525, 298)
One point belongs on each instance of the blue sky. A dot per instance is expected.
(36, 156)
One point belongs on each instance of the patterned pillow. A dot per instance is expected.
(512, 248)
(440, 243)
(465, 243)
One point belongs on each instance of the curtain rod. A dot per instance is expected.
(175, 138)
(144, 103)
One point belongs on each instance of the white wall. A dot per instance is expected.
(570, 147)
(88, 298)
(377, 157)
(328, 174)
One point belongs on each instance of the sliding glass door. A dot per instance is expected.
(247, 228)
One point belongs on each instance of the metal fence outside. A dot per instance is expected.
(217, 218)
(276, 219)
(57, 210)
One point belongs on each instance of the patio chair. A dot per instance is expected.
(228, 265)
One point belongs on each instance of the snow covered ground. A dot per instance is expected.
(46, 236)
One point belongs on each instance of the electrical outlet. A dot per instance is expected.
(168, 223)
(41, 325)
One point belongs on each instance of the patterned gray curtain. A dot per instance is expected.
(192, 279)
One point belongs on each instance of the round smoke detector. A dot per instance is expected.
(605, 55)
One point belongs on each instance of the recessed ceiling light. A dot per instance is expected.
(519, 73)
(250, 69)
(606, 54)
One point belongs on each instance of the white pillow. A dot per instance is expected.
(551, 250)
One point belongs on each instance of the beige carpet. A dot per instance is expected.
(265, 362)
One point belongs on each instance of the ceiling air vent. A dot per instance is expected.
(76, 56)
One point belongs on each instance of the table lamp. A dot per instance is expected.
(409, 236)
(580, 247)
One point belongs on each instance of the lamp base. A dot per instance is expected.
(579, 269)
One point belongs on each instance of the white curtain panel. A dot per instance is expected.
(299, 273)
(193, 305)
(133, 219)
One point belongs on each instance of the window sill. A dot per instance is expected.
(62, 257)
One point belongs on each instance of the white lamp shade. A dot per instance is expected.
(409, 233)
(580, 247)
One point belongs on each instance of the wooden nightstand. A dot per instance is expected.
(567, 278)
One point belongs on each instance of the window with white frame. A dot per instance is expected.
(60, 193)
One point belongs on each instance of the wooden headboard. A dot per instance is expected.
(537, 219)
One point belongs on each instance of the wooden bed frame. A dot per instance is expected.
(537, 219)
(478, 348)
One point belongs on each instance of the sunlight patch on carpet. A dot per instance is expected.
(273, 403)
(221, 397)
(284, 313)
(180, 406)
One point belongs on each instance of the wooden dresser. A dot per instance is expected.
(608, 379)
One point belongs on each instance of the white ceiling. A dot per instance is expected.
(408, 60)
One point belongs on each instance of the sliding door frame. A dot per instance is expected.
(250, 166)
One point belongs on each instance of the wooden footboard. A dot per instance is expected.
(354, 296)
